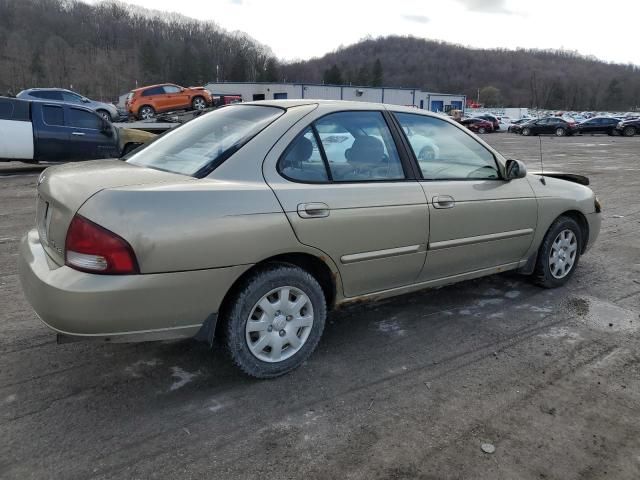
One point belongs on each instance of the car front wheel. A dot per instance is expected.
(275, 321)
(559, 253)
(482, 130)
(526, 132)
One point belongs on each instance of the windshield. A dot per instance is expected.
(198, 147)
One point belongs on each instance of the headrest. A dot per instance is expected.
(365, 149)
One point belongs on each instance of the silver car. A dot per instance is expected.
(249, 223)
(107, 111)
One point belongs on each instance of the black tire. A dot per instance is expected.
(561, 132)
(247, 296)
(145, 112)
(542, 275)
(104, 114)
(526, 131)
(198, 103)
(629, 131)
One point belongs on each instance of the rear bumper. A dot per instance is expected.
(120, 308)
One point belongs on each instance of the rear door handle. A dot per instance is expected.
(313, 210)
(443, 201)
(79, 134)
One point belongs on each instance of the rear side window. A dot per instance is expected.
(302, 160)
(53, 115)
(6, 110)
(153, 91)
(48, 95)
(83, 119)
(353, 146)
(171, 89)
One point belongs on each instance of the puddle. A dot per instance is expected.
(603, 315)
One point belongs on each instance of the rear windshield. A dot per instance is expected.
(198, 147)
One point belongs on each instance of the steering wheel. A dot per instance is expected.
(427, 153)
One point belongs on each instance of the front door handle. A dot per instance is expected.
(443, 201)
(79, 134)
(313, 210)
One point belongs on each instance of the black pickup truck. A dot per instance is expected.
(33, 131)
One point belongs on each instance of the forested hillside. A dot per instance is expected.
(103, 50)
(548, 79)
(106, 49)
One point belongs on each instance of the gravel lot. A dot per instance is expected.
(406, 388)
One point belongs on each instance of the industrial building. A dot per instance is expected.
(413, 97)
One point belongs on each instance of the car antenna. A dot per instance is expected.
(542, 180)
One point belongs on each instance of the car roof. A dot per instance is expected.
(40, 89)
(345, 105)
(152, 86)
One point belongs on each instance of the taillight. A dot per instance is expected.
(94, 249)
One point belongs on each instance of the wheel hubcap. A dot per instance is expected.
(279, 324)
(199, 104)
(563, 254)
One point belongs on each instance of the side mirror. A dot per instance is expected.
(106, 128)
(515, 169)
(85, 100)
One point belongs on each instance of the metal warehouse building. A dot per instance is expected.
(436, 102)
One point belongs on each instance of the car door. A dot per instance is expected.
(175, 97)
(155, 97)
(89, 136)
(478, 220)
(347, 190)
(51, 136)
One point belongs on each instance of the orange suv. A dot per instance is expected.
(143, 103)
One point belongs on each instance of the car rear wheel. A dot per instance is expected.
(559, 253)
(146, 112)
(482, 130)
(275, 321)
(629, 131)
(199, 103)
(526, 132)
(560, 132)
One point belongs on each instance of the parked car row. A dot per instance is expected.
(561, 126)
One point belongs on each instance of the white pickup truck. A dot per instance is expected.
(33, 131)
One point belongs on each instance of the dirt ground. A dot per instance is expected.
(407, 388)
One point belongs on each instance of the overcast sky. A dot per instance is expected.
(304, 29)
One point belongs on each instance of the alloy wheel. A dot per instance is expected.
(146, 113)
(199, 104)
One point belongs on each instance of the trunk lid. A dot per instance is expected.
(63, 189)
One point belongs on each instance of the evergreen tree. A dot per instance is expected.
(376, 77)
(333, 76)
